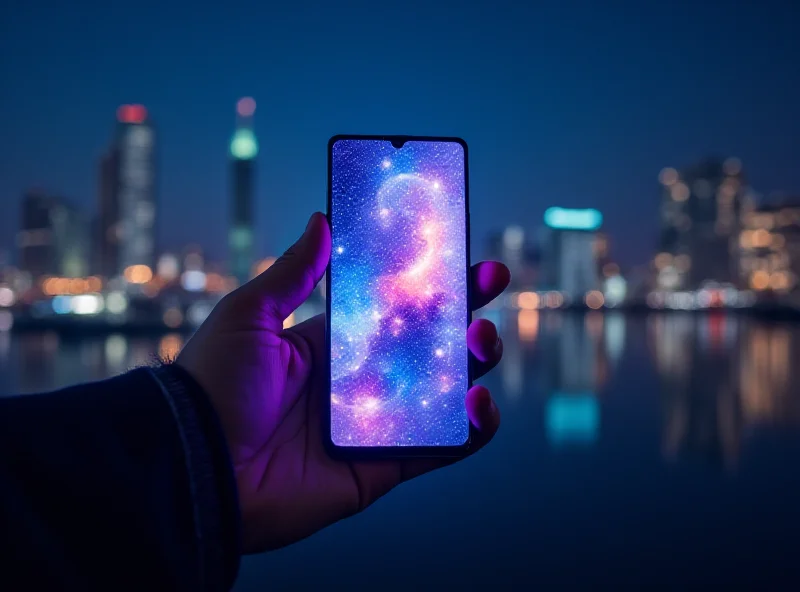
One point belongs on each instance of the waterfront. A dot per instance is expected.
(654, 450)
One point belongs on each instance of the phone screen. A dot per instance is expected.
(399, 366)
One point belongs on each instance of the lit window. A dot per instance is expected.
(668, 176)
(145, 214)
(679, 192)
(138, 274)
(759, 280)
(141, 137)
(779, 281)
(761, 238)
(662, 260)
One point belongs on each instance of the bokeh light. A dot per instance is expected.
(138, 274)
(246, 106)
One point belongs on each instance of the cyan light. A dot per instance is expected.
(569, 219)
(244, 145)
(572, 418)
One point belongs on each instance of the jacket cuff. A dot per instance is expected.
(211, 477)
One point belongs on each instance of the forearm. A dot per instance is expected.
(120, 484)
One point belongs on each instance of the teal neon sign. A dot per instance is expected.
(570, 219)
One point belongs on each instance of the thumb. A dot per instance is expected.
(291, 279)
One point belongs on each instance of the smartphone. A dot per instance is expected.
(398, 297)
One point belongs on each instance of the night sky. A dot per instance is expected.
(562, 103)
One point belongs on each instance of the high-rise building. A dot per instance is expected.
(769, 243)
(602, 253)
(107, 226)
(244, 149)
(514, 247)
(570, 251)
(127, 209)
(53, 237)
(700, 209)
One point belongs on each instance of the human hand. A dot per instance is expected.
(267, 385)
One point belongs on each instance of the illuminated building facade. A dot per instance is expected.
(127, 209)
(514, 247)
(569, 251)
(602, 248)
(769, 245)
(700, 209)
(52, 239)
(243, 149)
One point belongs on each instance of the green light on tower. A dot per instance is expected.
(244, 145)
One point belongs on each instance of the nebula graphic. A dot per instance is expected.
(398, 294)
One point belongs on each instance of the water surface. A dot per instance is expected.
(658, 451)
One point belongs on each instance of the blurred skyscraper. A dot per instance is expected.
(244, 149)
(127, 209)
(700, 209)
(770, 248)
(602, 253)
(570, 251)
(514, 248)
(53, 237)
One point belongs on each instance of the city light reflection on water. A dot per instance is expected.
(629, 407)
(717, 374)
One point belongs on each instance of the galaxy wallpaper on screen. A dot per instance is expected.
(399, 360)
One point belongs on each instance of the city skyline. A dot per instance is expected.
(238, 196)
(584, 115)
(717, 244)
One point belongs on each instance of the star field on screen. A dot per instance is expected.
(398, 277)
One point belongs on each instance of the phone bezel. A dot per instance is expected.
(383, 452)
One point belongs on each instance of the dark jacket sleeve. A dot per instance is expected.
(124, 484)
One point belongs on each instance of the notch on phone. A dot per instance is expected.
(399, 141)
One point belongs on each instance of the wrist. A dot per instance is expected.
(213, 487)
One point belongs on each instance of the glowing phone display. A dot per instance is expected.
(399, 367)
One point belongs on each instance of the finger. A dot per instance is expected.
(291, 279)
(484, 417)
(489, 279)
(483, 414)
(482, 340)
(481, 368)
(485, 345)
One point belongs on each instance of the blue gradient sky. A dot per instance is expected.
(562, 103)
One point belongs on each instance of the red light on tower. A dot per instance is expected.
(246, 107)
(131, 113)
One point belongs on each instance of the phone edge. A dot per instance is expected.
(392, 452)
